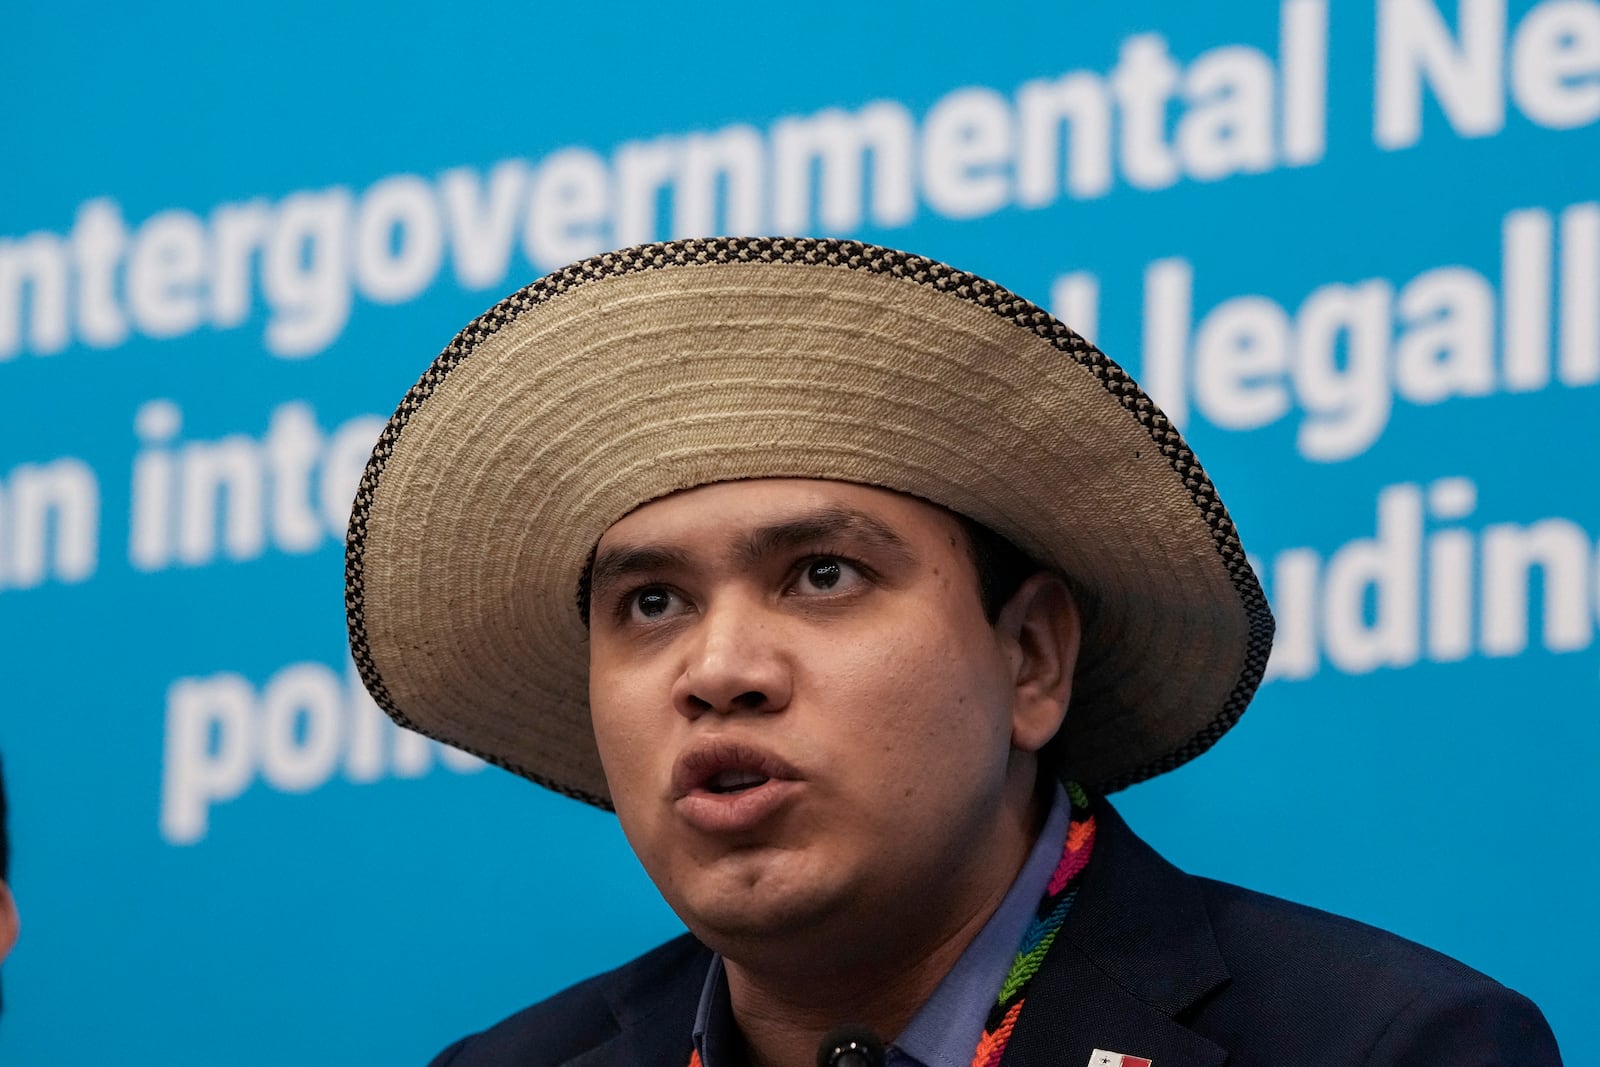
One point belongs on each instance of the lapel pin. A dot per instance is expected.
(1101, 1058)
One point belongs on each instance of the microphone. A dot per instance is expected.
(850, 1046)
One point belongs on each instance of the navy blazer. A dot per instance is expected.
(1152, 962)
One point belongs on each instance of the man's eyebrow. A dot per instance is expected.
(820, 526)
(616, 564)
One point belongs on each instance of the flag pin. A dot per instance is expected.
(1101, 1058)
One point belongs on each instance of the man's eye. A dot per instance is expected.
(654, 602)
(827, 574)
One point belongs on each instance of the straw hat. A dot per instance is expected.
(642, 372)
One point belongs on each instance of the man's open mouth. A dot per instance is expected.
(735, 781)
(723, 767)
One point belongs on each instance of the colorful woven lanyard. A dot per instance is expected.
(1041, 933)
(1036, 941)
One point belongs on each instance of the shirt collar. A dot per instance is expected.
(946, 1028)
(716, 1037)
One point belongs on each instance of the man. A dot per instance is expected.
(851, 582)
(10, 926)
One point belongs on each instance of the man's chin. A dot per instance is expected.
(769, 914)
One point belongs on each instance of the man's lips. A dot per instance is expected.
(725, 787)
(722, 767)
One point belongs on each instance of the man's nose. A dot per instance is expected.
(733, 662)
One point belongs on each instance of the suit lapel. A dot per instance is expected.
(1137, 950)
(667, 1046)
(655, 1013)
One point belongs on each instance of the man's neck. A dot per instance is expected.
(784, 1020)
(784, 1009)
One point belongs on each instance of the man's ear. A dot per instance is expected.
(1043, 627)
(9, 925)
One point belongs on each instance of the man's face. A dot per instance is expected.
(804, 715)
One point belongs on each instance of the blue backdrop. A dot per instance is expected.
(1354, 249)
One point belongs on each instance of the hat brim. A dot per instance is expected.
(643, 372)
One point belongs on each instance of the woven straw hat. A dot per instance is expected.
(638, 373)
